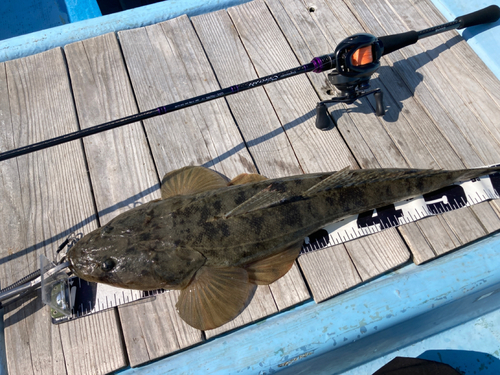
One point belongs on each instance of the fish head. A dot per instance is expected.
(103, 256)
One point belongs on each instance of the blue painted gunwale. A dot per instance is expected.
(36, 42)
(23, 17)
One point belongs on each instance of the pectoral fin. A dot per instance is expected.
(246, 178)
(214, 297)
(268, 270)
(191, 180)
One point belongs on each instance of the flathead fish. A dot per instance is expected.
(215, 239)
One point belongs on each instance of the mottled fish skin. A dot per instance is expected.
(164, 243)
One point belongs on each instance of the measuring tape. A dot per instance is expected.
(447, 199)
(89, 298)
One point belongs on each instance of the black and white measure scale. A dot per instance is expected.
(352, 64)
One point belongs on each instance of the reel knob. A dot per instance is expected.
(379, 101)
(323, 120)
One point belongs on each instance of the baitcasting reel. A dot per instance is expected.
(356, 59)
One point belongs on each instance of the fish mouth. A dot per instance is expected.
(74, 267)
(82, 269)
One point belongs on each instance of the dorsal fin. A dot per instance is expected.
(338, 178)
(262, 199)
(191, 180)
(246, 178)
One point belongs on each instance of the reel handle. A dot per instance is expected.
(379, 103)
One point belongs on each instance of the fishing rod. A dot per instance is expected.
(355, 59)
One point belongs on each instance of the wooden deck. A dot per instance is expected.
(443, 112)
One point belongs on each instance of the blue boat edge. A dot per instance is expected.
(86, 23)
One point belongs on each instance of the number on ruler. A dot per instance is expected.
(386, 216)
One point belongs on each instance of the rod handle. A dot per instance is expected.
(487, 15)
(394, 42)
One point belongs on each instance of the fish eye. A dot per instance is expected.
(108, 265)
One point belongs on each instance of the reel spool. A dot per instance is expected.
(357, 58)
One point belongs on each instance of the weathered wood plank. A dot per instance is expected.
(49, 196)
(257, 121)
(412, 61)
(329, 272)
(292, 16)
(154, 329)
(93, 344)
(162, 84)
(387, 256)
(166, 63)
(123, 175)
(295, 100)
(472, 62)
(120, 165)
(420, 248)
(455, 69)
(486, 146)
(253, 112)
(487, 215)
(14, 247)
(465, 223)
